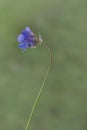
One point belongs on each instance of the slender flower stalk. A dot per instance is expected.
(41, 89)
(29, 40)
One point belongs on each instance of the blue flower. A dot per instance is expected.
(27, 39)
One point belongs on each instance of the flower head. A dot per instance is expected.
(27, 39)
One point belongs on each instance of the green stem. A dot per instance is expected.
(41, 89)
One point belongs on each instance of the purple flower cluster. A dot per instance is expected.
(28, 39)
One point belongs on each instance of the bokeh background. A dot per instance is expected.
(63, 103)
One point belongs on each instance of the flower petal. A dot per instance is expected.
(23, 45)
(28, 29)
(25, 34)
(20, 38)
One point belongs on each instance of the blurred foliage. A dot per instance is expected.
(63, 26)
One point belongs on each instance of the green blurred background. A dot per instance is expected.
(63, 26)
